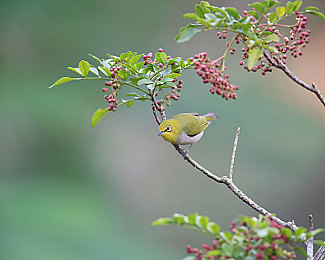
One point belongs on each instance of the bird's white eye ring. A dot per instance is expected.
(168, 128)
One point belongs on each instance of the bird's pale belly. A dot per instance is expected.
(185, 139)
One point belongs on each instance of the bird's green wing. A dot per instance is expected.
(192, 124)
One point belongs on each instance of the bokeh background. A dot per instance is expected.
(71, 192)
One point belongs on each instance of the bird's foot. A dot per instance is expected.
(184, 153)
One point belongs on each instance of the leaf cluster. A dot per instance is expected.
(256, 37)
(249, 237)
(145, 76)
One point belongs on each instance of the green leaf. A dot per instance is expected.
(135, 59)
(273, 17)
(245, 27)
(180, 219)
(319, 242)
(105, 71)
(94, 57)
(223, 12)
(319, 14)
(212, 19)
(185, 34)
(161, 57)
(258, 6)
(77, 70)
(197, 18)
(150, 86)
(123, 74)
(205, 7)
(271, 48)
(98, 115)
(199, 12)
(161, 222)
(139, 65)
(173, 75)
(192, 219)
(289, 7)
(300, 231)
(226, 235)
(271, 38)
(84, 67)
(215, 252)
(132, 95)
(297, 5)
(145, 82)
(123, 56)
(280, 11)
(311, 8)
(253, 57)
(204, 221)
(63, 80)
(254, 14)
(273, 3)
(128, 103)
(94, 71)
(213, 228)
(232, 12)
(135, 80)
(287, 232)
(314, 233)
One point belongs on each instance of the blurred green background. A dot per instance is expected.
(71, 192)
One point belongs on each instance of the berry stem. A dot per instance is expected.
(223, 57)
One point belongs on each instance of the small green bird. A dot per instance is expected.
(185, 128)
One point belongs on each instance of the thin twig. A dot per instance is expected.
(310, 241)
(279, 64)
(320, 254)
(232, 162)
(229, 183)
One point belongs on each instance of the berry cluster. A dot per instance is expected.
(248, 240)
(205, 248)
(173, 95)
(214, 73)
(112, 87)
(299, 38)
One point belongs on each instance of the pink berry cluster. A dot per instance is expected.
(173, 95)
(147, 58)
(200, 254)
(112, 87)
(298, 39)
(213, 73)
(264, 247)
(249, 240)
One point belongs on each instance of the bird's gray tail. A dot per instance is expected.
(211, 116)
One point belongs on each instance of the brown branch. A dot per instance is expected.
(310, 241)
(154, 110)
(279, 64)
(228, 181)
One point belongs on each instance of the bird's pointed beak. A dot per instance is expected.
(161, 132)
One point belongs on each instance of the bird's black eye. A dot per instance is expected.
(168, 128)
